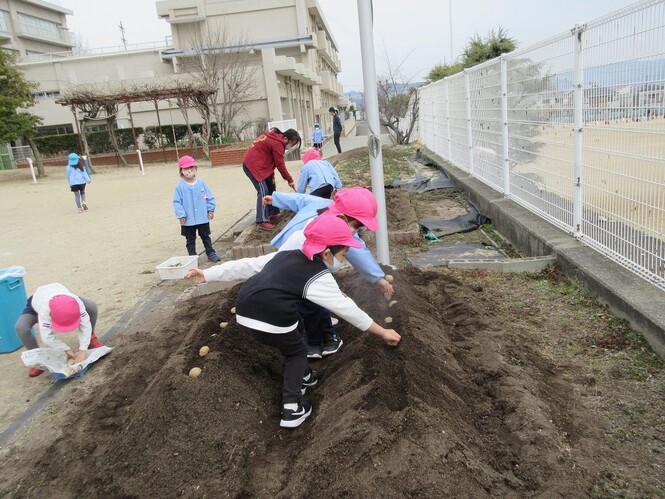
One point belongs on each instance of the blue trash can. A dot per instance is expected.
(13, 299)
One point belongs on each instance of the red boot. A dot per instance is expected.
(94, 342)
(33, 371)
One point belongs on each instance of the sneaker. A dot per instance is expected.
(332, 344)
(85, 206)
(33, 371)
(334, 321)
(80, 210)
(314, 351)
(310, 380)
(214, 258)
(274, 218)
(265, 226)
(294, 418)
(95, 343)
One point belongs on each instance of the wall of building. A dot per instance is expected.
(280, 92)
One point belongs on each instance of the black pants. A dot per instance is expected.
(324, 191)
(293, 348)
(336, 136)
(189, 231)
(270, 182)
(317, 322)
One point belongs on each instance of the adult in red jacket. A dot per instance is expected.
(261, 159)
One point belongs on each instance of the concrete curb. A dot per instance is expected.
(535, 264)
(627, 295)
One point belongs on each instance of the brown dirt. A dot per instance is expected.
(400, 213)
(490, 393)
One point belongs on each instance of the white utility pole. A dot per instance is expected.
(365, 22)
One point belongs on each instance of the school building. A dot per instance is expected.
(288, 44)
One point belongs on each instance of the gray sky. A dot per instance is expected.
(413, 31)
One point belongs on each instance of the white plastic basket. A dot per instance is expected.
(176, 267)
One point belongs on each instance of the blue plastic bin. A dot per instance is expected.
(13, 299)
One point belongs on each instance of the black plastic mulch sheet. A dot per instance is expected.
(463, 223)
(424, 183)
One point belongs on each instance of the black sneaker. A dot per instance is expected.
(293, 419)
(310, 380)
(314, 351)
(332, 344)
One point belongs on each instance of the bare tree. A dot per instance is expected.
(398, 103)
(222, 61)
(81, 46)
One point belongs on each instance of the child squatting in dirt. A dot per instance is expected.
(358, 207)
(277, 284)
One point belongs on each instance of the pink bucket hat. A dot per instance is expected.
(327, 230)
(356, 202)
(310, 155)
(65, 313)
(187, 162)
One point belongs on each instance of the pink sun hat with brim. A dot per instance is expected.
(327, 230)
(356, 202)
(65, 313)
(187, 162)
(311, 154)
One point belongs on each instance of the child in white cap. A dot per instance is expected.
(317, 137)
(268, 303)
(194, 206)
(58, 310)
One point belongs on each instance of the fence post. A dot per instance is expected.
(449, 137)
(578, 128)
(138, 152)
(32, 170)
(469, 133)
(504, 126)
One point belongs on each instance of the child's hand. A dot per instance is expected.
(292, 185)
(211, 215)
(385, 286)
(198, 274)
(183, 220)
(391, 337)
(267, 200)
(80, 357)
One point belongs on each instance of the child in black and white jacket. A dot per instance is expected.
(277, 284)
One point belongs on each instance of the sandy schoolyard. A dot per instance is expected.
(108, 253)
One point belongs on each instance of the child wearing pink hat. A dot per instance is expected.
(319, 175)
(268, 303)
(358, 207)
(194, 206)
(55, 309)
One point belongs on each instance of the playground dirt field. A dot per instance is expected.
(108, 253)
(507, 385)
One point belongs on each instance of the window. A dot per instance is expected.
(4, 25)
(48, 94)
(95, 128)
(39, 27)
(55, 129)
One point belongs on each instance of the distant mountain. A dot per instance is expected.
(358, 98)
(618, 74)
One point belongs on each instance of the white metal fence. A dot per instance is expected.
(573, 128)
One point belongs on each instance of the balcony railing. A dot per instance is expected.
(59, 36)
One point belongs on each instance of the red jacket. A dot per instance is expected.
(264, 155)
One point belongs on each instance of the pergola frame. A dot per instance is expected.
(91, 100)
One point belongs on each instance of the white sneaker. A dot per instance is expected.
(334, 321)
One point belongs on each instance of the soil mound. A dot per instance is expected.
(447, 413)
